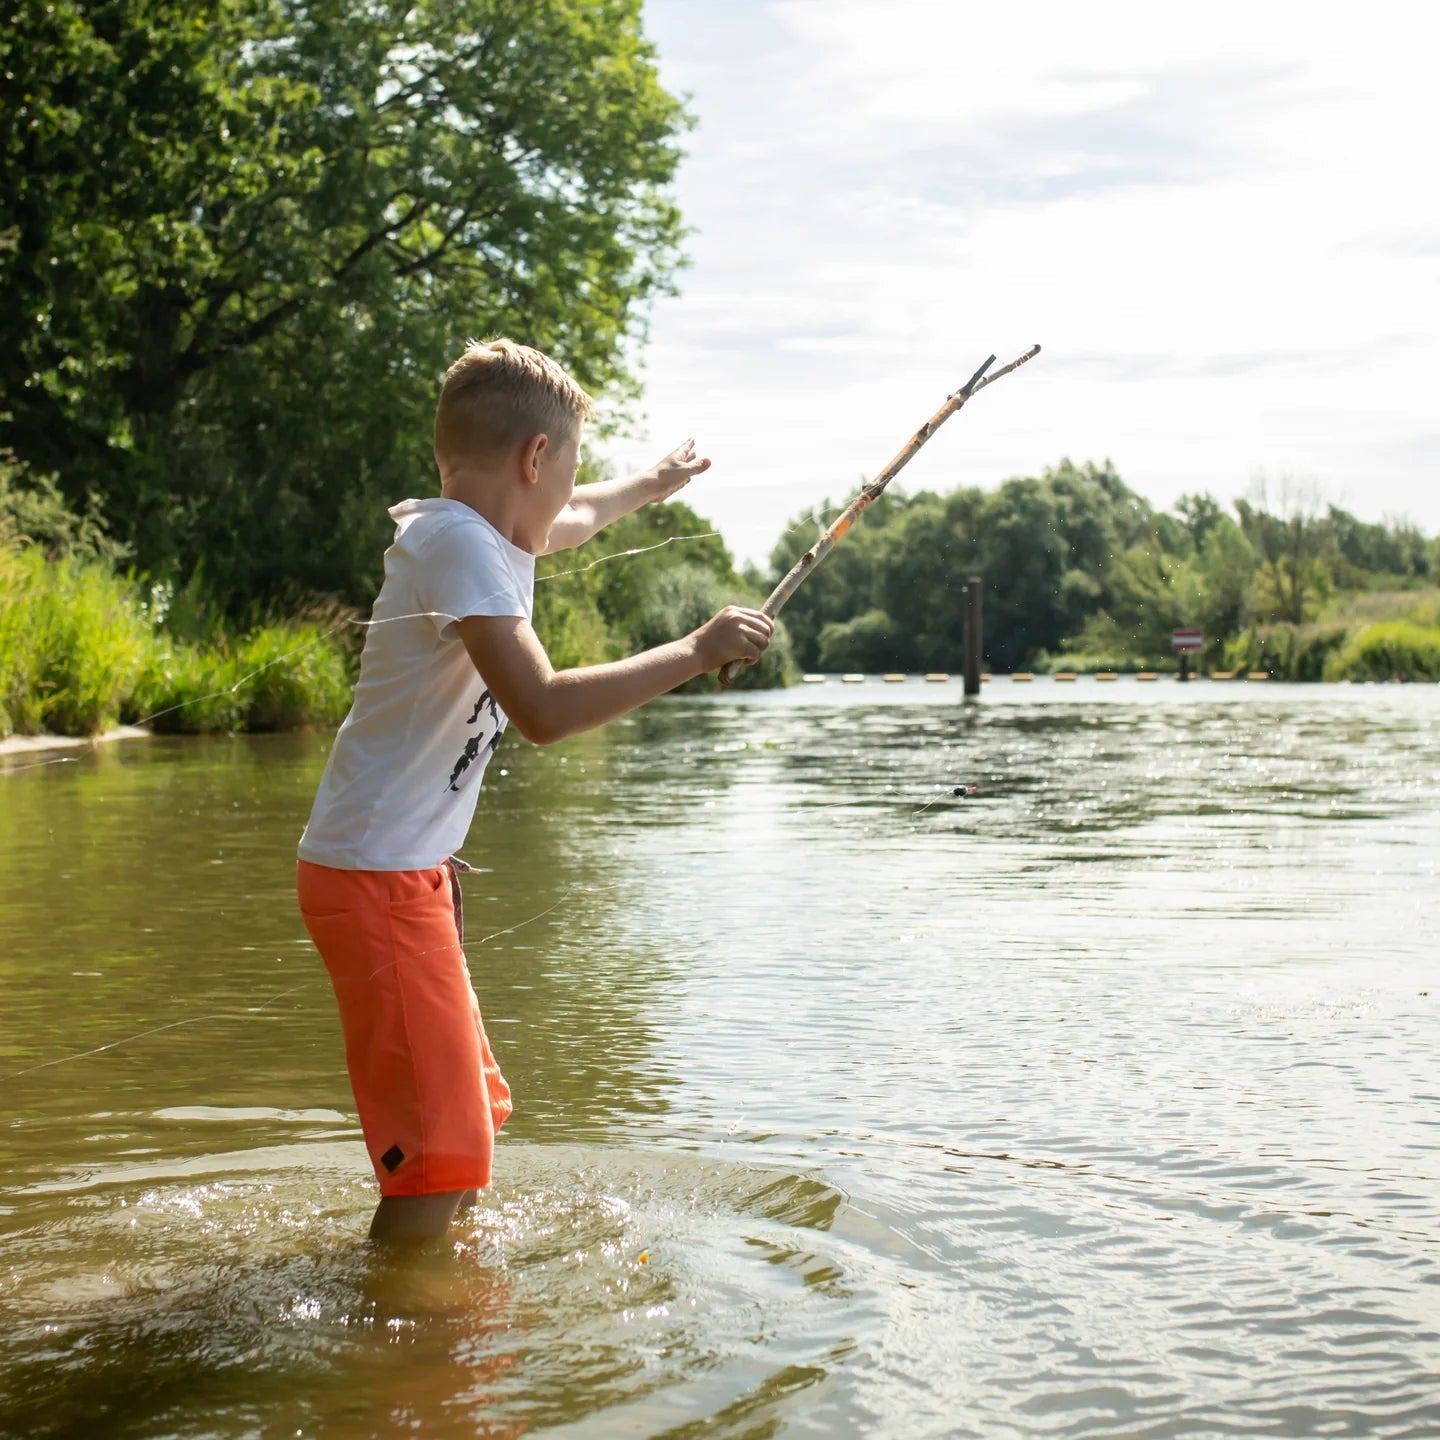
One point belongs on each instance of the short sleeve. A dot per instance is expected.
(463, 571)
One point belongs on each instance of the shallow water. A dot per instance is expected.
(1101, 1104)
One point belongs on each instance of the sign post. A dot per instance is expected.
(1182, 642)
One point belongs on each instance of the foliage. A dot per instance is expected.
(82, 647)
(73, 643)
(1396, 650)
(239, 239)
(1080, 573)
(189, 690)
(33, 510)
(1289, 652)
(279, 678)
(293, 675)
(865, 643)
(603, 599)
(1052, 551)
(1289, 538)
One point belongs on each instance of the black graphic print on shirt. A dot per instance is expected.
(473, 744)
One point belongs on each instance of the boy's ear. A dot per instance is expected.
(531, 453)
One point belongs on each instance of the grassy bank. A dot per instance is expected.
(1366, 635)
(1374, 635)
(83, 648)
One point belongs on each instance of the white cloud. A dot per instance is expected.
(1223, 227)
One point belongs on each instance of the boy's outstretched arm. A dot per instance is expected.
(549, 705)
(593, 507)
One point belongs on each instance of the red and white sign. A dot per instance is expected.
(1187, 639)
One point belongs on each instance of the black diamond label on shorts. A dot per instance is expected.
(392, 1158)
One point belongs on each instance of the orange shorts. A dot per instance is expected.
(429, 1092)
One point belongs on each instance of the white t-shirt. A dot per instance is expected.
(400, 786)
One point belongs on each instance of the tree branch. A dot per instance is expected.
(194, 360)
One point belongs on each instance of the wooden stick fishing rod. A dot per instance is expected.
(857, 507)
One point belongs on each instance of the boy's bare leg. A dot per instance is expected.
(416, 1217)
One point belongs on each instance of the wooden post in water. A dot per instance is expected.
(974, 636)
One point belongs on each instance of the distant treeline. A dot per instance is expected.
(1079, 572)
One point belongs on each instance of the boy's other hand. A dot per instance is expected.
(677, 470)
(734, 633)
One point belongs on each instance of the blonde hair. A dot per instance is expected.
(498, 394)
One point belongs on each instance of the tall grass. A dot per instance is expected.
(1394, 650)
(82, 647)
(1372, 635)
(73, 644)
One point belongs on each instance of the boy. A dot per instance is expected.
(450, 659)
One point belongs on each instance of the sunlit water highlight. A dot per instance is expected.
(1101, 1104)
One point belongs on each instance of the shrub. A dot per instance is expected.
(73, 643)
(869, 642)
(683, 598)
(293, 675)
(1397, 650)
(33, 510)
(188, 690)
(570, 626)
(280, 677)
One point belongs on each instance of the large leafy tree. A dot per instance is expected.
(240, 238)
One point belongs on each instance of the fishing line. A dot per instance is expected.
(157, 1029)
(949, 792)
(953, 792)
(252, 1010)
(620, 554)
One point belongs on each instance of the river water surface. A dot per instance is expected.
(1104, 1103)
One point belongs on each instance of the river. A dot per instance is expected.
(1104, 1102)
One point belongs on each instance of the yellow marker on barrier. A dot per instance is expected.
(1063, 675)
(1106, 675)
(1258, 675)
(853, 679)
(937, 677)
(1022, 675)
(812, 679)
(1147, 675)
(893, 679)
(1223, 675)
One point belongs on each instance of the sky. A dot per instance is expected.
(1221, 222)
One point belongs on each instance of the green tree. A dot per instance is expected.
(1363, 552)
(1041, 545)
(843, 585)
(1227, 580)
(240, 238)
(1201, 515)
(1290, 539)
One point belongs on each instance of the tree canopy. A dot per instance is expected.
(239, 240)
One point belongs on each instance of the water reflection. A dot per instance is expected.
(1100, 1104)
(159, 912)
